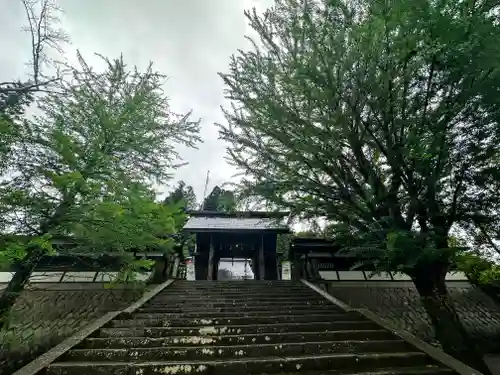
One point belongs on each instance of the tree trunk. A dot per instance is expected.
(17, 284)
(449, 331)
(159, 274)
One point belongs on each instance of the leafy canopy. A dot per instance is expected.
(185, 194)
(221, 200)
(86, 168)
(380, 116)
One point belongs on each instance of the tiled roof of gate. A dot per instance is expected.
(207, 224)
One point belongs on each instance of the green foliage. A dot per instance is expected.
(133, 221)
(478, 268)
(314, 230)
(12, 107)
(308, 234)
(41, 23)
(381, 117)
(12, 253)
(185, 194)
(184, 198)
(129, 271)
(378, 117)
(283, 242)
(87, 166)
(85, 169)
(220, 200)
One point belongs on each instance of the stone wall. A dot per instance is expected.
(398, 303)
(46, 314)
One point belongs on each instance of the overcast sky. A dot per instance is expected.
(188, 40)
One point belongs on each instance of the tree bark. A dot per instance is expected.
(159, 274)
(449, 330)
(17, 284)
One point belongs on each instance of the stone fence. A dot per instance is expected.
(399, 303)
(46, 314)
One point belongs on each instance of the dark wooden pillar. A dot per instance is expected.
(201, 257)
(217, 255)
(211, 257)
(270, 259)
(255, 261)
(200, 266)
(262, 260)
(295, 267)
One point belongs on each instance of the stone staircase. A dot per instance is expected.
(243, 327)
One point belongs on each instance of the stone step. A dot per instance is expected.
(235, 329)
(209, 314)
(232, 309)
(238, 300)
(220, 285)
(237, 320)
(197, 287)
(248, 365)
(237, 290)
(195, 353)
(162, 300)
(200, 305)
(231, 282)
(258, 285)
(247, 339)
(227, 283)
(227, 296)
(230, 295)
(421, 370)
(240, 290)
(264, 299)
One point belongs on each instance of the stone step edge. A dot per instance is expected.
(218, 301)
(258, 294)
(242, 360)
(226, 303)
(340, 331)
(207, 316)
(250, 291)
(243, 305)
(281, 345)
(242, 302)
(217, 324)
(424, 370)
(234, 314)
(254, 290)
(232, 326)
(238, 296)
(237, 291)
(258, 309)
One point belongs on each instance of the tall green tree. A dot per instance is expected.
(11, 120)
(183, 194)
(41, 25)
(221, 200)
(86, 167)
(184, 197)
(383, 118)
(45, 36)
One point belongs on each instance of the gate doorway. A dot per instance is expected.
(235, 269)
